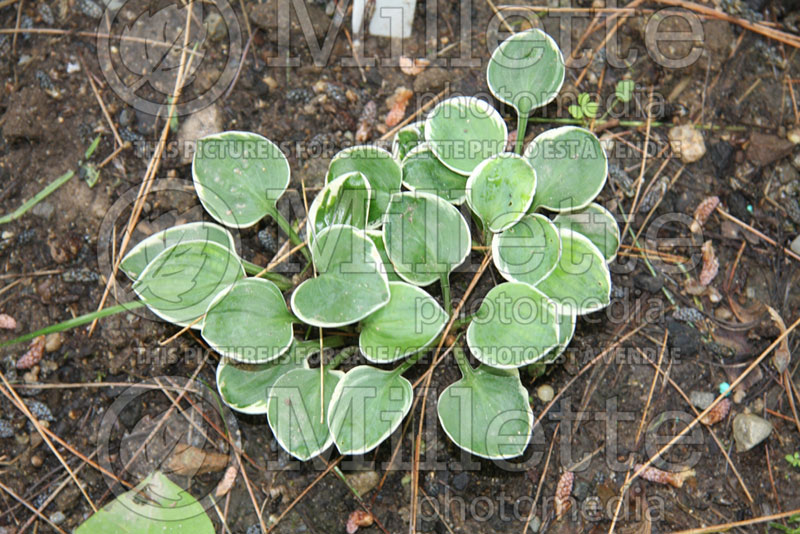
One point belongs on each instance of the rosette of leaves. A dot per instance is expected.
(382, 231)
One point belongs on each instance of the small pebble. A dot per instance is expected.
(40, 410)
(53, 342)
(46, 13)
(687, 142)
(267, 240)
(6, 430)
(461, 480)
(545, 393)
(701, 399)
(89, 8)
(57, 518)
(36, 460)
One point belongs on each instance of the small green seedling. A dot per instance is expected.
(383, 236)
(793, 459)
(586, 108)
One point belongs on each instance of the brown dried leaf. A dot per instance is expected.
(710, 264)
(718, 413)
(7, 322)
(412, 67)
(34, 354)
(227, 481)
(397, 105)
(357, 519)
(366, 121)
(658, 476)
(563, 491)
(781, 356)
(703, 212)
(189, 461)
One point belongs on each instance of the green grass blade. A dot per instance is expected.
(77, 321)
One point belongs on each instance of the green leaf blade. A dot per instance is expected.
(367, 406)
(526, 71)
(410, 322)
(239, 177)
(344, 200)
(500, 190)
(597, 224)
(528, 251)
(180, 283)
(350, 284)
(294, 411)
(146, 250)
(581, 283)
(516, 325)
(425, 237)
(249, 322)
(464, 131)
(571, 168)
(380, 169)
(423, 172)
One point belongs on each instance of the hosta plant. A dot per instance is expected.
(383, 237)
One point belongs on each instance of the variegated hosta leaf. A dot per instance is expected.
(515, 325)
(156, 504)
(407, 138)
(146, 250)
(425, 237)
(344, 200)
(487, 413)
(249, 322)
(596, 223)
(409, 323)
(464, 131)
(571, 168)
(245, 387)
(381, 170)
(367, 406)
(526, 71)
(423, 172)
(376, 236)
(581, 282)
(294, 411)
(349, 284)
(528, 251)
(180, 283)
(239, 176)
(500, 190)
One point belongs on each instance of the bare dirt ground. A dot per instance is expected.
(741, 88)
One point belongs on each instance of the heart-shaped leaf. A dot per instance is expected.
(425, 237)
(156, 504)
(408, 324)
(367, 406)
(487, 413)
(596, 223)
(294, 411)
(581, 282)
(407, 138)
(180, 283)
(571, 168)
(526, 71)
(249, 322)
(464, 131)
(528, 251)
(380, 169)
(344, 200)
(349, 285)
(146, 250)
(239, 176)
(515, 325)
(422, 171)
(245, 387)
(376, 236)
(500, 190)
